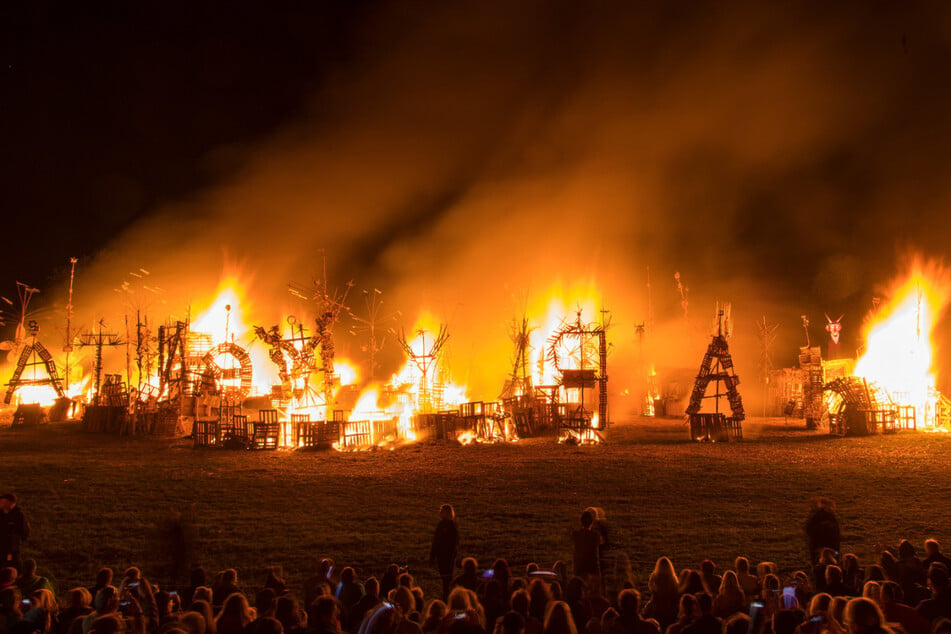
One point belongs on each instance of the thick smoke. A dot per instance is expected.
(469, 158)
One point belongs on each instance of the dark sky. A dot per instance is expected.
(787, 156)
(112, 110)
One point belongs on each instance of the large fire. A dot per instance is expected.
(898, 359)
(558, 304)
(224, 322)
(225, 362)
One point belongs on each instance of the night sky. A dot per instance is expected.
(789, 157)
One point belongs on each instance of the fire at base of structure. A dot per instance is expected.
(187, 379)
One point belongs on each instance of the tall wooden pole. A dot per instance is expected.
(69, 319)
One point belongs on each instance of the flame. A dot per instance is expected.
(563, 302)
(454, 395)
(346, 371)
(367, 406)
(435, 391)
(898, 360)
(45, 395)
(224, 321)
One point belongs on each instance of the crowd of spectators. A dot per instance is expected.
(900, 591)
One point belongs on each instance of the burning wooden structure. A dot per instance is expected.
(578, 352)
(206, 373)
(716, 367)
(854, 410)
(33, 356)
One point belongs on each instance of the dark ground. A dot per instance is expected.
(99, 500)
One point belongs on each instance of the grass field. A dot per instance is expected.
(98, 500)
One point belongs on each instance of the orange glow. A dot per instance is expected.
(346, 371)
(45, 395)
(898, 360)
(368, 406)
(560, 303)
(434, 391)
(224, 321)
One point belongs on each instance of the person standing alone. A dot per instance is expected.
(445, 545)
(587, 550)
(13, 529)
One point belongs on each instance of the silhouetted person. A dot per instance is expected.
(863, 616)
(834, 583)
(822, 528)
(502, 575)
(664, 603)
(445, 544)
(29, 581)
(349, 591)
(896, 611)
(78, 604)
(576, 597)
(737, 624)
(511, 623)
(911, 572)
(520, 603)
(103, 579)
(939, 605)
(390, 579)
(587, 545)
(711, 580)
(288, 612)
(852, 574)
(14, 529)
(235, 615)
(748, 581)
(629, 620)
(558, 619)
(690, 582)
(264, 600)
(706, 623)
(275, 580)
(203, 607)
(889, 563)
(469, 577)
(367, 603)
(730, 597)
(539, 596)
(323, 617)
(494, 601)
(606, 558)
(265, 625)
(196, 579)
(933, 552)
(826, 558)
(319, 584)
(689, 612)
(226, 585)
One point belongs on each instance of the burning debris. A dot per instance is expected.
(890, 386)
